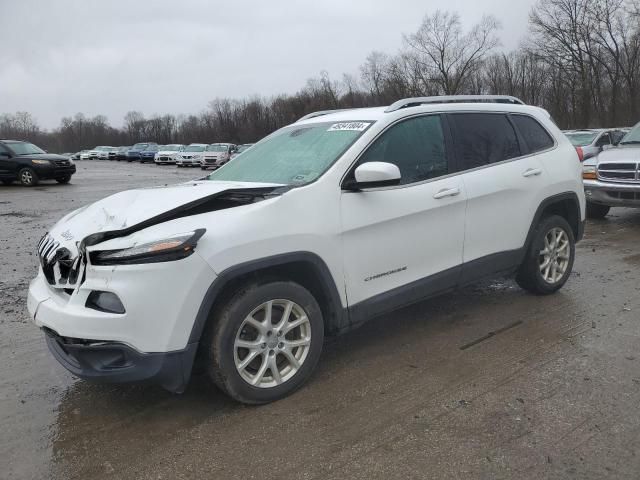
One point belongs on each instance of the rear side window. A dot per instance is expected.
(484, 138)
(534, 134)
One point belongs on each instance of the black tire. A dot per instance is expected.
(203, 168)
(529, 276)
(28, 177)
(220, 337)
(597, 211)
(66, 179)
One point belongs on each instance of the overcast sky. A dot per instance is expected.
(59, 57)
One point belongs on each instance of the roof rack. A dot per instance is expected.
(321, 113)
(414, 102)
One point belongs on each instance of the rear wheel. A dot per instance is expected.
(549, 260)
(597, 211)
(266, 341)
(28, 177)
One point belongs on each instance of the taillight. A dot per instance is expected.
(580, 153)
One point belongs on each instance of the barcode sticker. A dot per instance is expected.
(351, 126)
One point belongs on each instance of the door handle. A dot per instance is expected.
(532, 172)
(447, 192)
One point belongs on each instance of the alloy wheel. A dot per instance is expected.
(272, 343)
(554, 257)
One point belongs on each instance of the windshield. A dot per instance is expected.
(217, 148)
(582, 139)
(171, 148)
(195, 148)
(293, 155)
(25, 148)
(633, 137)
(140, 146)
(152, 148)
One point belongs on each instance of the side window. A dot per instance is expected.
(605, 139)
(484, 138)
(415, 145)
(4, 152)
(534, 134)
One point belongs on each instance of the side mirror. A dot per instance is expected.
(607, 147)
(375, 174)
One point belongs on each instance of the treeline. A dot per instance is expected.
(580, 60)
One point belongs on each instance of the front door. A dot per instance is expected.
(404, 242)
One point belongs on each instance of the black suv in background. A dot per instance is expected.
(28, 164)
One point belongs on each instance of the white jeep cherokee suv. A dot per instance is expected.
(324, 224)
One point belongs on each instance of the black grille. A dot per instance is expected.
(62, 163)
(58, 266)
(624, 195)
(619, 172)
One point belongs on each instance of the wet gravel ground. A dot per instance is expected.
(554, 393)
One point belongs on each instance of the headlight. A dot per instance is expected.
(41, 162)
(589, 173)
(166, 249)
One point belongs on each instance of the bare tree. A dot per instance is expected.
(448, 55)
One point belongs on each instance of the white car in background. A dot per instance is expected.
(168, 153)
(85, 154)
(191, 155)
(216, 155)
(107, 153)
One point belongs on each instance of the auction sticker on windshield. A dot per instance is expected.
(351, 126)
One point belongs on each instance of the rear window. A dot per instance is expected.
(484, 138)
(534, 134)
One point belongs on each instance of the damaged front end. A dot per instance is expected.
(123, 311)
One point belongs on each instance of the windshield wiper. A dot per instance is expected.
(630, 142)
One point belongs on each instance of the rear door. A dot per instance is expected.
(504, 183)
(404, 242)
(6, 163)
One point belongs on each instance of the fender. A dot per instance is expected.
(339, 320)
(573, 197)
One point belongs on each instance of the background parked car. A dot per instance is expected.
(240, 149)
(612, 178)
(85, 155)
(594, 141)
(149, 153)
(168, 153)
(121, 153)
(134, 152)
(28, 164)
(191, 155)
(216, 155)
(107, 153)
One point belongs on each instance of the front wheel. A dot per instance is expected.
(28, 177)
(65, 179)
(265, 342)
(549, 259)
(597, 211)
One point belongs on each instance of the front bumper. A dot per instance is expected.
(112, 362)
(150, 341)
(612, 194)
(46, 172)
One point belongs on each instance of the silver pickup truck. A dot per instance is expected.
(612, 178)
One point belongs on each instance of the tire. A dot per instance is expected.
(28, 177)
(66, 179)
(531, 275)
(223, 354)
(203, 168)
(597, 211)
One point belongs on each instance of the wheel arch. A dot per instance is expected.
(304, 268)
(566, 205)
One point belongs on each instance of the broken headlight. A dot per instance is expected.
(166, 249)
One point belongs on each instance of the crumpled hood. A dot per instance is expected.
(621, 154)
(127, 210)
